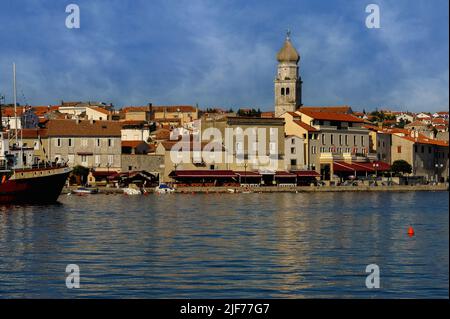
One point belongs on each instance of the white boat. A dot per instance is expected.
(164, 189)
(85, 190)
(131, 191)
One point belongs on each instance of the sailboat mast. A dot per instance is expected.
(15, 102)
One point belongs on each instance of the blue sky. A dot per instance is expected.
(222, 53)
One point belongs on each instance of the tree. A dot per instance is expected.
(401, 167)
(81, 172)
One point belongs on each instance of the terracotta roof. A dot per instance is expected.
(421, 139)
(84, 128)
(162, 134)
(42, 110)
(133, 122)
(396, 130)
(416, 123)
(99, 109)
(334, 109)
(268, 114)
(135, 109)
(439, 121)
(305, 126)
(372, 127)
(332, 116)
(175, 108)
(33, 133)
(9, 111)
(160, 108)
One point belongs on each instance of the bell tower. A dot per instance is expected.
(288, 83)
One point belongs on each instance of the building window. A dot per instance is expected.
(313, 150)
(83, 159)
(346, 139)
(293, 141)
(362, 140)
(422, 149)
(282, 91)
(69, 141)
(429, 149)
(340, 139)
(354, 140)
(287, 91)
(399, 149)
(98, 142)
(323, 139)
(292, 150)
(110, 142)
(58, 142)
(293, 162)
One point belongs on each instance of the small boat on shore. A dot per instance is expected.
(85, 190)
(131, 191)
(164, 189)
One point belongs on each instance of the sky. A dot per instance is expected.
(221, 53)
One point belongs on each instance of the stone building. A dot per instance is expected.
(288, 83)
(93, 144)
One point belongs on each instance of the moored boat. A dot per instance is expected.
(164, 189)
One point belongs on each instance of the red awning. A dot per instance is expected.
(248, 173)
(284, 174)
(343, 167)
(306, 173)
(374, 166)
(202, 173)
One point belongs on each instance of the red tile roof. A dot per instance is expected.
(333, 109)
(84, 128)
(305, 126)
(421, 139)
(332, 116)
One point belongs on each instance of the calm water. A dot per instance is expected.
(230, 246)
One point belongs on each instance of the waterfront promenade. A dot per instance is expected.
(294, 189)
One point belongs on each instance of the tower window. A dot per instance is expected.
(287, 91)
(282, 91)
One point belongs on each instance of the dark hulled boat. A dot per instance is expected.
(33, 185)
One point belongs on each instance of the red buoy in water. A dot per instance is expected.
(410, 231)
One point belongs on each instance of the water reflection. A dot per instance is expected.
(227, 245)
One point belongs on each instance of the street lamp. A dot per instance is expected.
(437, 166)
(375, 166)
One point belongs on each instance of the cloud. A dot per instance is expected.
(222, 53)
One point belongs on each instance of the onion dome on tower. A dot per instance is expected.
(288, 53)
